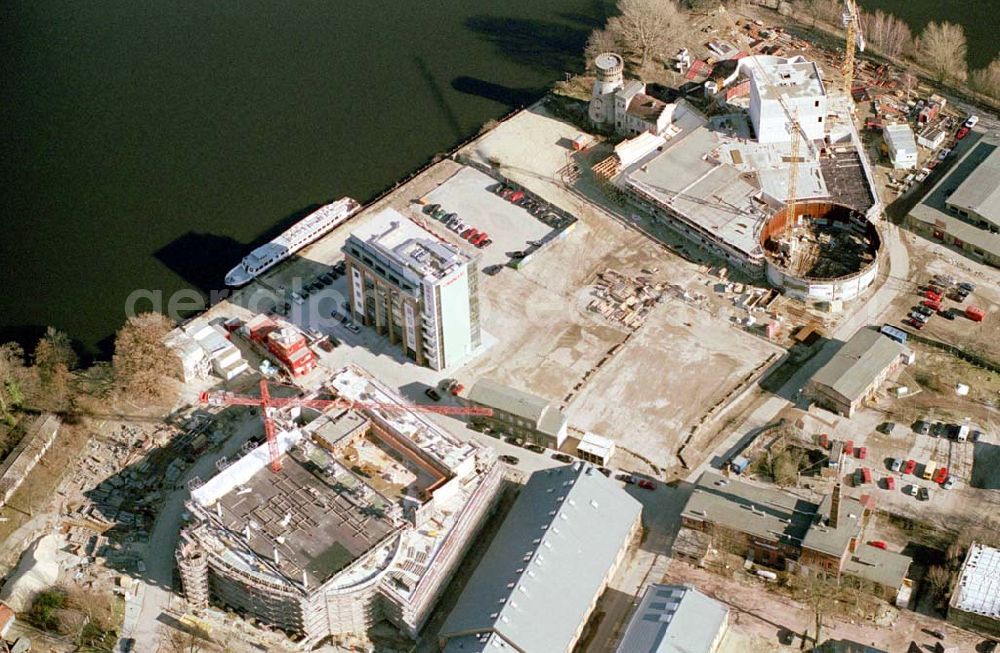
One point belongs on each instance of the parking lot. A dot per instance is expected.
(469, 193)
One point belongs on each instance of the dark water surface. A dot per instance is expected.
(147, 144)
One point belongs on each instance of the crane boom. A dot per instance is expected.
(272, 437)
(267, 403)
(852, 24)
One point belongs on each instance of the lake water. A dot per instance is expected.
(147, 144)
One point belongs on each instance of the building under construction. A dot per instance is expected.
(791, 165)
(369, 516)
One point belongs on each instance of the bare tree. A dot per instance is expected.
(987, 80)
(54, 362)
(601, 40)
(887, 33)
(141, 360)
(942, 48)
(12, 377)
(646, 28)
(939, 579)
(823, 10)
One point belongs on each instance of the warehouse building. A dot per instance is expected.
(370, 514)
(855, 372)
(975, 603)
(783, 531)
(675, 619)
(417, 290)
(538, 583)
(519, 414)
(901, 145)
(963, 209)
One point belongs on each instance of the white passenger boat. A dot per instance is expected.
(302, 233)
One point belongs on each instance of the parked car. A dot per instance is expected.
(563, 458)
(924, 494)
(912, 490)
(647, 485)
(518, 254)
(890, 483)
(967, 287)
(537, 448)
(895, 464)
(468, 232)
(943, 154)
(878, 544)
(492, 269)
(433, 394)
(862, 452)
(909, 466)
(926, 310)
(352, 327)
(485, 243)
(949, 483)
(628, 478)
(941, 475)
(922, 426)
(510, 460)
(326, 345)
(972, 121)
(947, 314)
(430, 209)
(605, 471)
(962, 133)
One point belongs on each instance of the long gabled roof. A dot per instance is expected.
(857, 364)
(543, 571)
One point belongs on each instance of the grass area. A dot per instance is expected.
(938, 373)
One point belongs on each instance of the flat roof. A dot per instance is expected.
(545, 567)
(879, 566)
(933, 210)
(980, 192)
(399, 240)
(858, 363)
(597, 445)
(900, 137)
(978, 587)
(791, 78)
(674, 619)
(317, 519)
(716, 197)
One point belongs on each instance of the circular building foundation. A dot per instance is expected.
(825, 252)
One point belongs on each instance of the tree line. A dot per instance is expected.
(941, 47)
(643, 31)
(50, 378)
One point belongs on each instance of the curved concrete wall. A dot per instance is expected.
(806, 288)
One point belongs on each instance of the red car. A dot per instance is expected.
(890, 483)
(962, 133)
(878, 544)
(910, 466)
(468, 233)
(480, 237)
(862, 452)
(940, 475)
(931, 304)
(849, 447)
(647, 485)
(864, 475)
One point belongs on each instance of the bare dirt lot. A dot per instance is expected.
(647, 392)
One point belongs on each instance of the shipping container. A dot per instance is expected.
(895, 334)
(849, 447)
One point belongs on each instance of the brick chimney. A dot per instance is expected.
(834, 517)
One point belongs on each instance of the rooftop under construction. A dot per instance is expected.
(370, 501)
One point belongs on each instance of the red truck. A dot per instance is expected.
(975, 313)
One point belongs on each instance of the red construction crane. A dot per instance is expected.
(267, 403)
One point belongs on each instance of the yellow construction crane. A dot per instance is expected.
(793, 166)
(852, 23)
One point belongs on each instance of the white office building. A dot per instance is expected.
(796, 82)
(419, 291)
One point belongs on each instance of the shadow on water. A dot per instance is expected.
(543, 46)
(512, 97)
(434, 86)
(203, 260)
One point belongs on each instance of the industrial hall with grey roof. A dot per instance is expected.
(552, 558)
